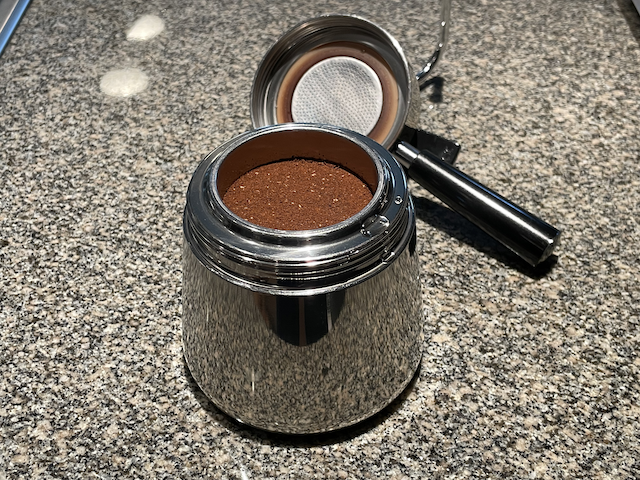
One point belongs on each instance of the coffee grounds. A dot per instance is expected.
(297, 194)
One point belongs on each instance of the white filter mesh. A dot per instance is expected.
(341, 91)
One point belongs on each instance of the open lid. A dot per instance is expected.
(339, 70)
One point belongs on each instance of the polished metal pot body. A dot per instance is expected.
(301, 331)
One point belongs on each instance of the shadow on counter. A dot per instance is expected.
(454, 225)
(296, 440)
(632, 17)
(458, 227)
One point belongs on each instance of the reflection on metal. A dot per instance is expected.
(300, 320)
(11, 12)
(445, 16)
(265, 377)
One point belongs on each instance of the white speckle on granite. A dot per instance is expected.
(124, 82)
(145, 28)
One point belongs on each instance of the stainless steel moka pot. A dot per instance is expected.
(301, 331)
(346, 71)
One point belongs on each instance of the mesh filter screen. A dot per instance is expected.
(340, 91)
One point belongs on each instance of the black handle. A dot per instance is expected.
(443, 148)
(528, 236)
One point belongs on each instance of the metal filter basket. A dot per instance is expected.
(333, 68)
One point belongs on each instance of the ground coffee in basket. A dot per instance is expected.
(297, 194)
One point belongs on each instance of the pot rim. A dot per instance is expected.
(305, 261)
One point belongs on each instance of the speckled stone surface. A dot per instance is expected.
(526, 373)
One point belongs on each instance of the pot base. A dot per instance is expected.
(266, 368)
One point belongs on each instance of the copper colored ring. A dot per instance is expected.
(343, 49)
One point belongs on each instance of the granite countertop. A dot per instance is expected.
(526, 373)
